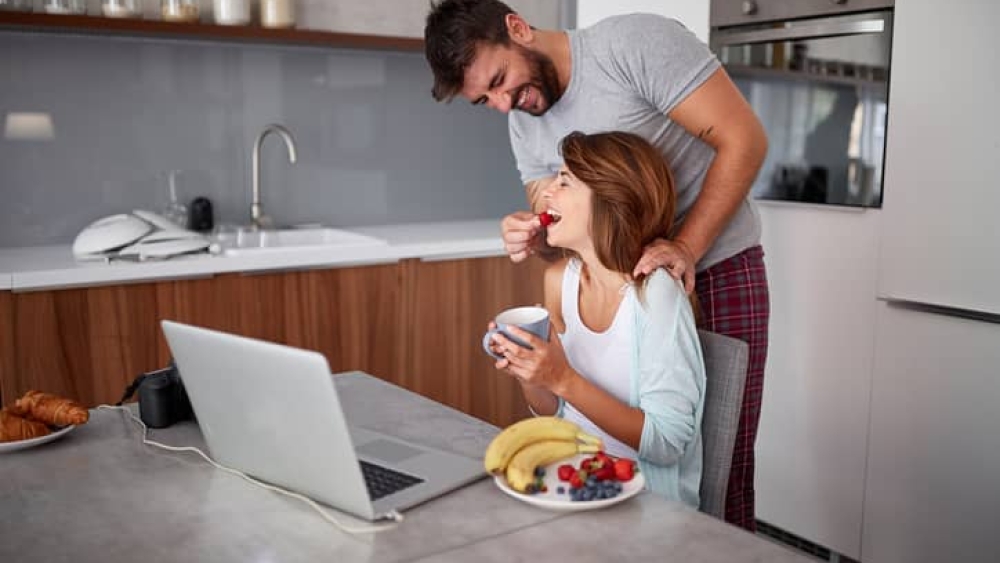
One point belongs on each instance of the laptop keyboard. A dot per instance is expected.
(382, 481)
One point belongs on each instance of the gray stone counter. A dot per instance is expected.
(99, 494)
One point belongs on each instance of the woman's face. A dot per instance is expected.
(568, 200)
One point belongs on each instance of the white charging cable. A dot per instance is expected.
(394, 515)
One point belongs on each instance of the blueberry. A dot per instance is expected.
(539, 472)
(561, 490)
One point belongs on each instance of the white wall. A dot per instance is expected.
(692, 13)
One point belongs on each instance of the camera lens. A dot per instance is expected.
(156, 402)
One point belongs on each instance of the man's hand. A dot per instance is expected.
(521, 230)
(673, 255)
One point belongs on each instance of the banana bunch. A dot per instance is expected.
(534, 442)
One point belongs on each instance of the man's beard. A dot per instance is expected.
(544, 79)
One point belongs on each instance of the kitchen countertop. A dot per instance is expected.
(53, 267)
(98, 494)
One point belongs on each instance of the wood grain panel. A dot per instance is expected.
(202, 302)
(7, 360)
(42, 338)
(416, 324)
(352, 316)
(122, 334)
(448, 310)
(87, 344)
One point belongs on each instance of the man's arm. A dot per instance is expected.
(719, 115)
(521, 229)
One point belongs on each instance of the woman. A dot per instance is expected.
(627, 363)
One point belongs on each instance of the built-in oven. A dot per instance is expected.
(816, 72)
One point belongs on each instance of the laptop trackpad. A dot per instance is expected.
(391, 452)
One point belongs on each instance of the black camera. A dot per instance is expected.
(162, 398)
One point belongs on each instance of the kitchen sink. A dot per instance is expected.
(248, 241)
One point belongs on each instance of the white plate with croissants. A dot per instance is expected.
(38, 418)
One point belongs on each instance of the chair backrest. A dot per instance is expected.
(725, 372)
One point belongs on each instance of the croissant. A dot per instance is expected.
(50, 409)
(13, 427)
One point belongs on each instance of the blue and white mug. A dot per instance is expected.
(531, 319)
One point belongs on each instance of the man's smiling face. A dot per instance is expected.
(511, 77)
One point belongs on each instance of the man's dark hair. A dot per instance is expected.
(455, 28)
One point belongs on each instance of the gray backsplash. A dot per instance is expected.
(373, 146)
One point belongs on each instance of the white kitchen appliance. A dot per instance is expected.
(934, 442)
(140, 235)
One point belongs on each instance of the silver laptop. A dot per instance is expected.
(272, 412)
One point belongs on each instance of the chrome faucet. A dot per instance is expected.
(257, 217)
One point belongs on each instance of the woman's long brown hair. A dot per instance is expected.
(633, 193)
(633, 199)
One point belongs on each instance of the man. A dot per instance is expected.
(650, 76)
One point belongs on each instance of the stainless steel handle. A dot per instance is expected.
(749, 7)
(801, 30)
(946, 310)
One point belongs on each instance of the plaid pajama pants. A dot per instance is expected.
(734, 301)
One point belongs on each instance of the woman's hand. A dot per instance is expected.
(543, 366)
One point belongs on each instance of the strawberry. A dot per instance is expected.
(605, 472)
(578, 479)
(565, 471)
(624, 470)
(544, 218)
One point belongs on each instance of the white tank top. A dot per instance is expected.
(604, 358)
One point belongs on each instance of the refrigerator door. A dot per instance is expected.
(941, 210)
(932, 492)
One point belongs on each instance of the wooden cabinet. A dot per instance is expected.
(448, 307)
(416, 324)
(6, 343)
(353, 316)
(90, 343)
(85, 343)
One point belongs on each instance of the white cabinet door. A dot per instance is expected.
(940, 243)
(933, 487)
(811, 444)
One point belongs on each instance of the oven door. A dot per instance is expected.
(820, 87)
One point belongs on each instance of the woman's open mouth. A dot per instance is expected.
(549, 217)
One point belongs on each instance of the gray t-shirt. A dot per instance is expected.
(628, 72)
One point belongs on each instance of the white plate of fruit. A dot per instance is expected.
(549, 462)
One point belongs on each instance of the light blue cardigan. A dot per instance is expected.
(667, 381)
